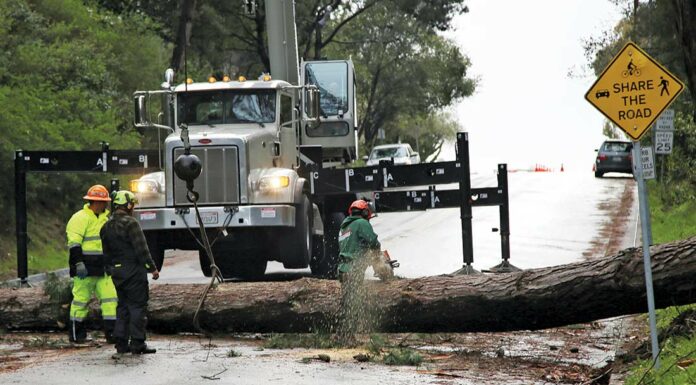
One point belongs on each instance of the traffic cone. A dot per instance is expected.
(562, 167)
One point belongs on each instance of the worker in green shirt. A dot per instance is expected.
(358, 245)
(356, 241)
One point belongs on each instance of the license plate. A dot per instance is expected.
(209, 218)
(617, 159)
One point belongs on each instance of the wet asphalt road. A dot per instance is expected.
(554, 217)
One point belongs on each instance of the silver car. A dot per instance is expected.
(402, 153)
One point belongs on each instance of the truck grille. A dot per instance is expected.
(219, 180)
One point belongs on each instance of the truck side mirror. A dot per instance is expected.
(141, 118)
(313, 108)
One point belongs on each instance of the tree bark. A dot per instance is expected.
(532, 299)
(684, 16)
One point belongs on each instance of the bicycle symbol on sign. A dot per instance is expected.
(631, 69)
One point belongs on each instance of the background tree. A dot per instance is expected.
(402, 62)
(426, 132)
(67, 73)
(402, 68)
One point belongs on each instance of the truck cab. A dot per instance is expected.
(253, 203)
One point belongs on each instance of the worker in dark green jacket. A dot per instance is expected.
(358, 244)
(357, 240)
(129, 261)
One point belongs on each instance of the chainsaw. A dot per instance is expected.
(383, 266)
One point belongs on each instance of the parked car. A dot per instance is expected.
(402, 153)
(614, 156)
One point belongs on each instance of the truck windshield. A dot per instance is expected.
(227, 107)
(332, 81)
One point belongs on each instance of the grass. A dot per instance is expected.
(402, 357)
(678, 354)
(378, 347)
(46, 247)
(671, 223)
(297, 340)
(674, 352)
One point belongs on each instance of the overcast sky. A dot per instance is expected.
(527, 109)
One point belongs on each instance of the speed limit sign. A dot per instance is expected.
(663, 142)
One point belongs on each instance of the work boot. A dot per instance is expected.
(121, 345)
(77, 333)
(140, 347)
(108, 327)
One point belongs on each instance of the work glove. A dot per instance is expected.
(81, 270)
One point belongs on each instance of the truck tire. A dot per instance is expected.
(205, 263)
(156, 248)
(327, 265)
(300, 239)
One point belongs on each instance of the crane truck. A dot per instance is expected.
(255, 203)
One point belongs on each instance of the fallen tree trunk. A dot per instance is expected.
(532, 299)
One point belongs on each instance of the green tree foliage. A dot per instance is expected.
(666, 30)
(403, 66)
(67, 73)
(403, 70)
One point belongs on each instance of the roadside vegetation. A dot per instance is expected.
(676, 325)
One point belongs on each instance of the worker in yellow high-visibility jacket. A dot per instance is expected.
(87, 265)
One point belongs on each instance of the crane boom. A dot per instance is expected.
(282, 40)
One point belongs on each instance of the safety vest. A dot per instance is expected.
(83, 230)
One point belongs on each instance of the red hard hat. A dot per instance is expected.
(360, 205)
(97, 193)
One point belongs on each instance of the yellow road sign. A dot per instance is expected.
(633, 90)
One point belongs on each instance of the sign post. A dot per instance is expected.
(632, 92)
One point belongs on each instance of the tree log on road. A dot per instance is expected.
(532, 299)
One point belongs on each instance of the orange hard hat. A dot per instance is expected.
(360, 205)
(97, 193)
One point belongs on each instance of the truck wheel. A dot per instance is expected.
(328, 264)
(205, 263)
(156, 249)
(300, 237)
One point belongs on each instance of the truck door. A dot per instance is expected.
(288, 131)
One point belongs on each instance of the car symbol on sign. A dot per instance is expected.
(602, 93)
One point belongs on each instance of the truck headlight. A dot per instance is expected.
(144, 186)
(273, 183)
